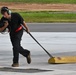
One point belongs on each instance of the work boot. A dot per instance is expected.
(28, 59)
(15, 65)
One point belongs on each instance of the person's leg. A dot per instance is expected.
(16, 39)
(15, 51)
(24, 52)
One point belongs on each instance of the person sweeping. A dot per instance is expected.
(13, 22)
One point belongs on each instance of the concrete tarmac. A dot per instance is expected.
(53, 38)
(52, 27)
(56, 43)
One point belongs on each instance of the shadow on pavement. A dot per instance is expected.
(30, 70)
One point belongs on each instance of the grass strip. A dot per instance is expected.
(42, 1)
(48, 17)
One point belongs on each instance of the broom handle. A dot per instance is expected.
(38, 42)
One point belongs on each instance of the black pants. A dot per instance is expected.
(16, 40)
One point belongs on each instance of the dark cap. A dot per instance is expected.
(4, 9)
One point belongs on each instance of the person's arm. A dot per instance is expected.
(27, 29)
(21, 20)
(5, 25)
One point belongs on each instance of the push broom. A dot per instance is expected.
(54, 60)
